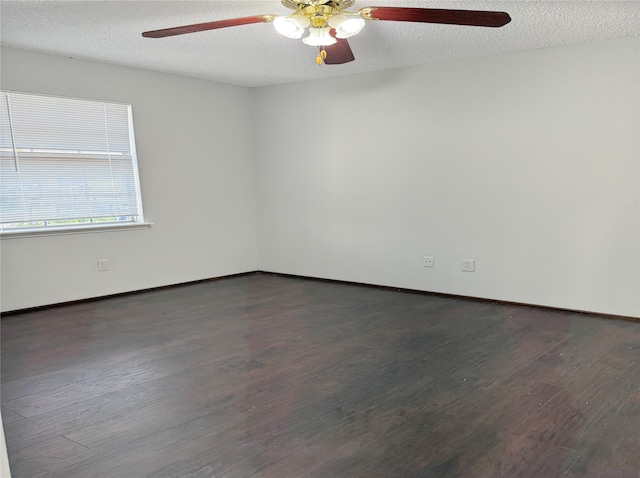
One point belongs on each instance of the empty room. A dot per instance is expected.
(320, 238)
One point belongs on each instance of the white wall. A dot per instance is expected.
(528, 163)
(197, 178)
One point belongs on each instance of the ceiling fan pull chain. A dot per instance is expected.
(322, 55)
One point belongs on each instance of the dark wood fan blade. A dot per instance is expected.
(475, 18)
(338, 53)
(201, 27)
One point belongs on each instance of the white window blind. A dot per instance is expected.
(66, 162)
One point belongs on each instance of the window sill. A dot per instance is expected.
(65, 231)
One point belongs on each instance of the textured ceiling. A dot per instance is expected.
(256, 55)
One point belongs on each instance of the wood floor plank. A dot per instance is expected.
(95, 383)
(10, 417)
(129, 361)
(173, 393)
(50, 455)
(271, 376)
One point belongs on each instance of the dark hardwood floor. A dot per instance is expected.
(270, 376)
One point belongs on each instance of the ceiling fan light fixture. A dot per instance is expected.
(319, 37)
(346, 26)
(291, 26)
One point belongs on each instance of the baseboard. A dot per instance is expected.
(471, 298)
(336, 281)
(120, 294)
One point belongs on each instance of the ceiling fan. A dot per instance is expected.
(326, 24)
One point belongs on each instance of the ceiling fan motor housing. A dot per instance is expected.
(302, 4)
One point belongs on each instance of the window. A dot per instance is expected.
(66, 163)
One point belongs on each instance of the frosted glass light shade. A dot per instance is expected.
(291, 26)
(346, 26)
(319, 37)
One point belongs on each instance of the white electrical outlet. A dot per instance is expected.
(428, 261)
(468, 265)
(103, 265)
